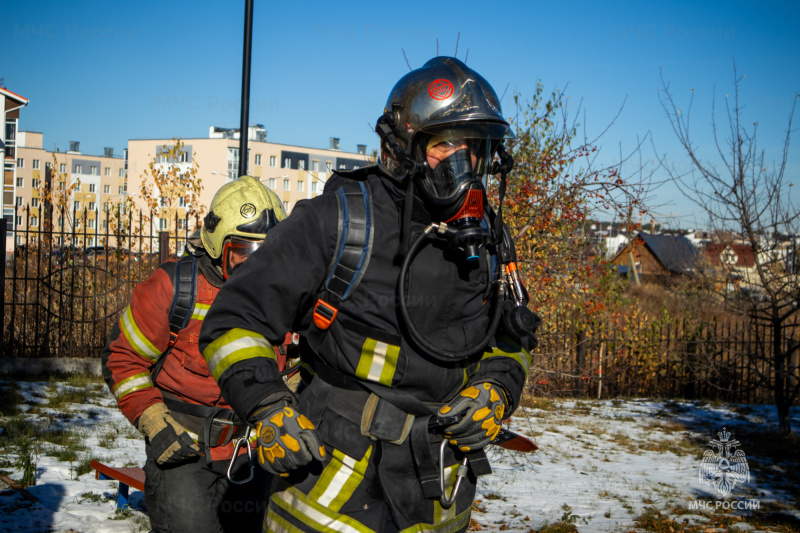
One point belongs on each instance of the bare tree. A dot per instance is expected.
(748, 198)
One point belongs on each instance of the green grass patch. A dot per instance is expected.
(538, 402)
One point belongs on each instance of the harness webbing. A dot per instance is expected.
(184, 282)
(354, 243)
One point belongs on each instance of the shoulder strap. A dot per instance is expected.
(353, 247)
(184, 283)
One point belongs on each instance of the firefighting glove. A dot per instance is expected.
(168, 439)
(286, 439)
(479, 409)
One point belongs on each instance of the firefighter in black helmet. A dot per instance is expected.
(393, 277)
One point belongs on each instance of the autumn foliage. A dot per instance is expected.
(555, 186)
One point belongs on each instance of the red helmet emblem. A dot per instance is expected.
(440, 89)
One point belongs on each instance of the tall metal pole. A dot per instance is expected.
(248, 42)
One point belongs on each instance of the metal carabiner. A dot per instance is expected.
(239, 442)
(460, 474)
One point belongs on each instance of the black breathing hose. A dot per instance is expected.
(435, 351)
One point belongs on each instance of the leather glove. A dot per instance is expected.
(169, 441)
(482, 406)
(286, 439)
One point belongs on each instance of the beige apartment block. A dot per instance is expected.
(10, 104)
(293, 172)
(86, 190)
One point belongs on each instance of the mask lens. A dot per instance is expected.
(235, 251)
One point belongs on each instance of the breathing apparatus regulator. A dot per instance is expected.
(440, 132)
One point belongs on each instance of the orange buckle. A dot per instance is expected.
(324, 314)
(173, 338)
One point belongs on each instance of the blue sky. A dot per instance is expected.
(105, 72)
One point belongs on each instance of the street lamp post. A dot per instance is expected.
(248, 40)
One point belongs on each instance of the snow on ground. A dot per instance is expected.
(600, 463)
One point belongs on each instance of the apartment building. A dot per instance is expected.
(85, 187)
(293, 172)
(10, 104)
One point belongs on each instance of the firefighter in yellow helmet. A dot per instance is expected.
(156, 372)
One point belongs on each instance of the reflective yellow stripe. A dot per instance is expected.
(378, 362)
(200, 311)
(339, 480)
(132, 384)
(448, 526)
(140, 343)
(316, 517)
(234, 346)
(507, 348)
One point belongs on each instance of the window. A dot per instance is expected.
(91, 223)
(287, 162)
(105, 207)
(329, 165)
(106, 189)
(76, 205)
(19, 221)
(258, 160)
(184, 157)
(315, 166)
(162, 201)
(182, 201)
(19, 182)
(35, 164)
(77, 169)
(301, 164)
(20, 163)
(92, 187)
(285, 184)
(60, 224)
(121, 189)
(92, 206)
(35, 184)
(299, 185)
(313, 186)
(93, 171)
(19, 201)
(62, 167)
(286, 206)
(34, 222)
(104, 225)
(272, 161)
(272, 183)
(90, 240)
(162, 223)
(121, 173)
(34, 202)
(233, 163)
(107, 171)
(62, 186)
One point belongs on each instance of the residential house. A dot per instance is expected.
(657, 257)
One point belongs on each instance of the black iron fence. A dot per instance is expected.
(65, 287)
(729, 359)
(69, 277)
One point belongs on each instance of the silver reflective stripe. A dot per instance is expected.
(134, 383)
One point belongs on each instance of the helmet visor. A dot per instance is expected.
(235, 251)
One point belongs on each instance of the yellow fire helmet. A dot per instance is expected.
(241, 212)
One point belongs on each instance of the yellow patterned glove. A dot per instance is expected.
(481, 407)
(286, 439)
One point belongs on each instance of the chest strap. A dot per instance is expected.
(353, 246)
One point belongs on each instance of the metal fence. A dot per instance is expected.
(66, 283)
(727, 359)
(65, 286)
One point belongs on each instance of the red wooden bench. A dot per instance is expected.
(127, 477)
